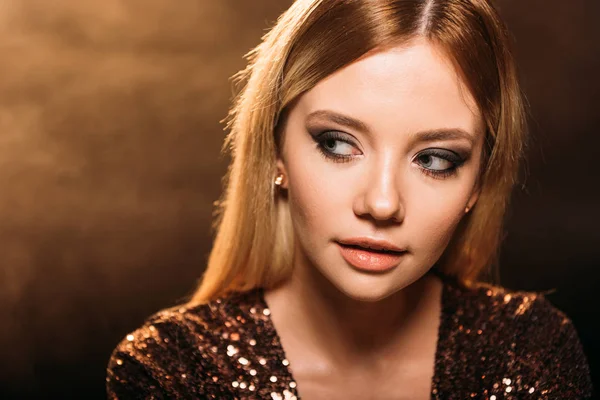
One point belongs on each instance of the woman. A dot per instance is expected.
(374, 147)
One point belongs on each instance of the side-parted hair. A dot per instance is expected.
(254, 240)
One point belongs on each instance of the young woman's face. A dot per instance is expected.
(387, 148)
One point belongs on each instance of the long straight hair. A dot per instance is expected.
(254, 240)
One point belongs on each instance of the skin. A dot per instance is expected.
(349, 333)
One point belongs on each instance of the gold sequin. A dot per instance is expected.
(233, 348)
(287, 395)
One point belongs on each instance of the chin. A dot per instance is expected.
(367, 288)
(372, 287)
(367, 296)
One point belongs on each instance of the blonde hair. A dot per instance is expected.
(254, 243)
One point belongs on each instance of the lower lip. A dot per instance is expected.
(370, 260)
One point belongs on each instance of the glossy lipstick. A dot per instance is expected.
(370, 260)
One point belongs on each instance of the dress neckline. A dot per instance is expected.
(271, 331)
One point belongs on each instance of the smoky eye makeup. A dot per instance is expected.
(341, 147)
(335, 145)
(432, 161)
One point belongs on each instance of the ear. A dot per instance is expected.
(282, 170)
(474, 196)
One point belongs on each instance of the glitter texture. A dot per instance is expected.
(492, 344)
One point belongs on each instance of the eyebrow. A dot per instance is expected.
(421, 136)
(339, 119)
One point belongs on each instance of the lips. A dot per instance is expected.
(372, 249)
(372, 244)
(371, 260)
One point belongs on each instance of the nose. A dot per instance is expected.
(381, 198)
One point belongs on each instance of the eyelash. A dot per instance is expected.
(446, 155)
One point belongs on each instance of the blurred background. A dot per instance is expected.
(110, 162)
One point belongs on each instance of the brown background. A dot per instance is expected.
(109, 164)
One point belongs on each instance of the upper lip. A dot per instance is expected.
(370, 243)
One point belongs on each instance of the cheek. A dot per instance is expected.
(434, 219)
(309, 204)
(304, 199)
(319, 197)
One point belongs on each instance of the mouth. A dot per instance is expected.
(368, 259)
(374, 250)
(372, 244)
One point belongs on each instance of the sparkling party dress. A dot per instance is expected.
(492, 344)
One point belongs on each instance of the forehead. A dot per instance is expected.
(409, 87)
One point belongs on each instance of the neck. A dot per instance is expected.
(345, 331)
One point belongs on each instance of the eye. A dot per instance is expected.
(439, 163)
(335, 146)
(435, 163)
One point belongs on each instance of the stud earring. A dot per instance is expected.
(279, 180)
(467, 210)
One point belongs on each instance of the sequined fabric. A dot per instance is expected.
(492, 344)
